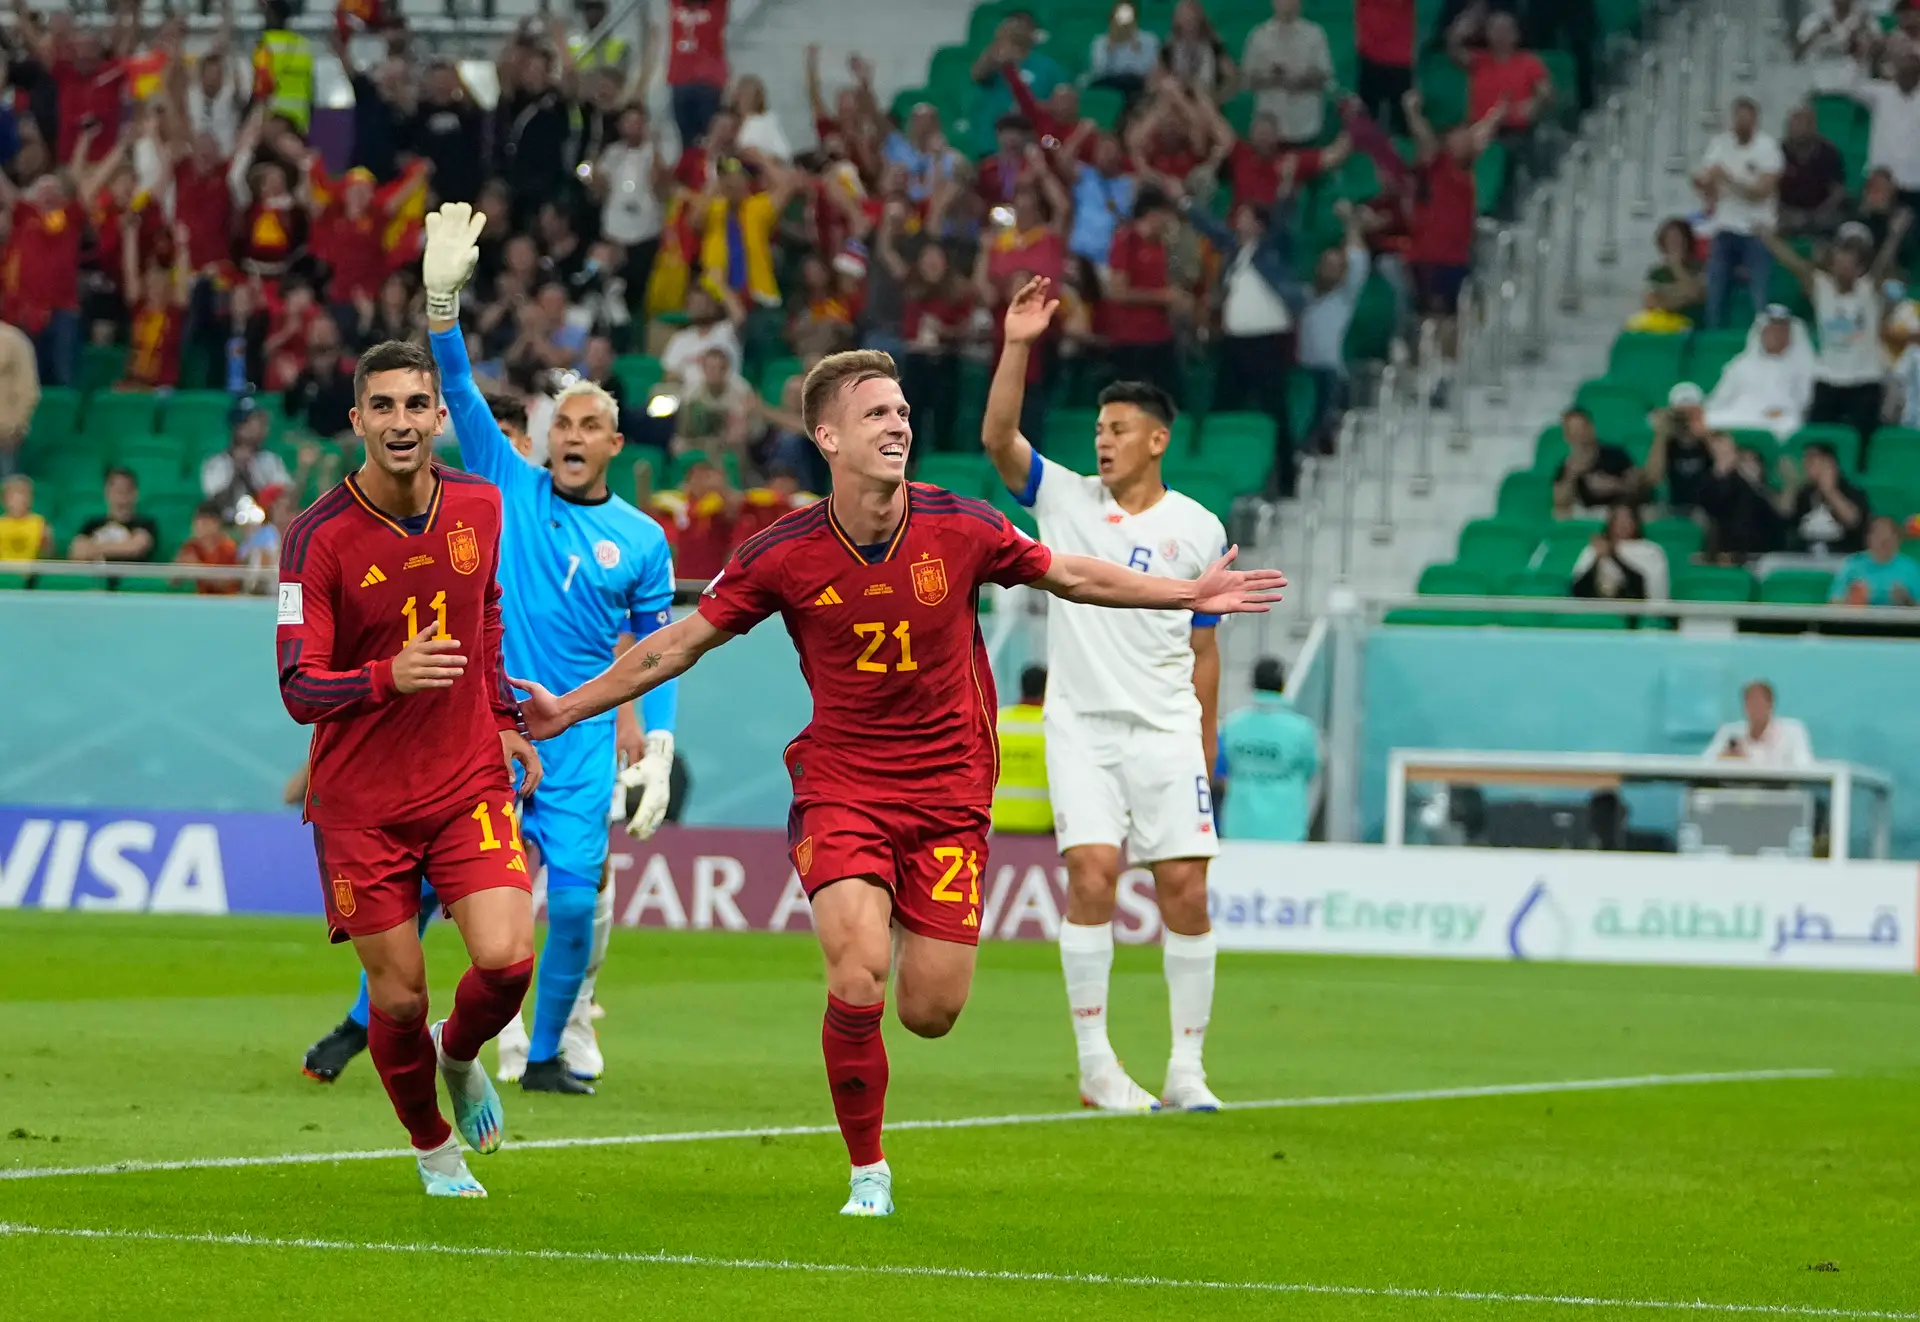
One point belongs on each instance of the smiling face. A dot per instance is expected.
(582, 440)
(1127, 442)
(863, 427)
(398, 415)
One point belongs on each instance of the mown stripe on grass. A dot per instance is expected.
(964, 1122)
(661, 1259)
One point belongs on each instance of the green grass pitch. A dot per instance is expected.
(148, 1039)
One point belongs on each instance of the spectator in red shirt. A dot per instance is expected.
(1384, 31)
(157, 308)
(1141, 303)
(349, 237)
(1033, 244)
(706, 525)
(203, 204)
(1000, 175)
(938, 315)
(696, 62)
(762, 507)
(40, 273)
(1445, 208)
(1172, 136)
(89, 76)
(1503, 74)
(210, 545)
(1256, 162)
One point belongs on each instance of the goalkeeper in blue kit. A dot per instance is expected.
(583, 575)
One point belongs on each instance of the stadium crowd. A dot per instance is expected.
(175, 204)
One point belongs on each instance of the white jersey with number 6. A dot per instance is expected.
(1133, 663)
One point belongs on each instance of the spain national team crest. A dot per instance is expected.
(930, 582)
(803, 856)
(463, 549)
(343, 902)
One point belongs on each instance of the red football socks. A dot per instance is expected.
(857, 1074)
(403, 1054)
(485, 1001)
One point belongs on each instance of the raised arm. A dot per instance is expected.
(1027, 320)
(1883, 261)
(1222, 590)
(1799, 267)
(1425, 144)
(451, 252)
(656, 659)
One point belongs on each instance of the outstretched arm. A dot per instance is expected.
(1222, 590)
(648, 664)
(1027, 320)
(452, 249)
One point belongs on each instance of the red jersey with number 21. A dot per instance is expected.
(355, 587)
(903, 699)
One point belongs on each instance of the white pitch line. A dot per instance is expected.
(662, 1259)
(965, 1122)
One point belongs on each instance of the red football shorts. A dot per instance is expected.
(371, 876)
(929, 858)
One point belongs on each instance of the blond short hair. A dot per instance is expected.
(597, 393)
(835, 371)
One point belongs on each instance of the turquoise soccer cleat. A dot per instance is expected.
(476, 1106)
(444, 1173)
(872, 1193)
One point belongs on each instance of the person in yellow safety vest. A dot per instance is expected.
(612, 53)
(283, 67)
(1020, 802)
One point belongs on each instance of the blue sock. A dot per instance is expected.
(428, 903)
(563, 963)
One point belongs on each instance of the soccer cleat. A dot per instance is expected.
(476, 1106)
(1109, 1088)
(332, 1053)
(1187, 1090)
(553, 1076)
(444, 1173)
(580, 1045)
(872, 1192)
(513, 1051)
(599, 1010)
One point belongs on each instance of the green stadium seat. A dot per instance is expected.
(1525, 497)
(200, 416)
(1241, 443)
(1495, 546)
(56, 418)
(102, 366)
(1764, 442)
(1712, 583)
(1564, 541)
(969, 475)
(1709, 352)
(775, 375)
(116, 413)
(1895, 497)
(1454, 581)
(1647, 365)
(1102, 105)
(1021, 516)
(1549, 451)
(156, 463)
(1535, 583)
(638, 374)
(1797, 587)
(1681, 539)
(1844, 441)
(1619, 414)
(1214, 494)
(1370, 337)
(1894, 448)
(1070, 439)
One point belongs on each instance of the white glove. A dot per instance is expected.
(453, 248)
(651, 775)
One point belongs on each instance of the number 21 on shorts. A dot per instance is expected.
(953, 859)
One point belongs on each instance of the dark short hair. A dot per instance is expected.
(1576, 412)
(1270, 675)
(115, 470)
(1149, 200)
(1760, 684)
(508, 409)
(209, 509)
(1819, 447)
(1033, 683)
(1143, 395)
(393, 356)
(1011, 122)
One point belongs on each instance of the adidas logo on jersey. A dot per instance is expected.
(373, 576)
(828, 598)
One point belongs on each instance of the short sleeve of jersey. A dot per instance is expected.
(650, 600)
(1013, 558)
(1052, 489)
(743, 594)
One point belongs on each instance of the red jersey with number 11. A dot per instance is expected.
(903, 700)
(355, 587)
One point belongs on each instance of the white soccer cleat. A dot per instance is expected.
(444, 1173)
(580, 1045)
(476, 1106)
(1187, 1090)
(1108, 1088)
(872, 1192)
(513, 1044)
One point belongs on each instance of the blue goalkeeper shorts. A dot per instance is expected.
(567, 815)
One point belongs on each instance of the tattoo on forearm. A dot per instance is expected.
(650, 660)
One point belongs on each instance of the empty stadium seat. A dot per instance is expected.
(1712, 583)
(1797, 587)
(1495, 546)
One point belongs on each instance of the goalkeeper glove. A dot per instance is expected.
(651, 775)
(453, 239)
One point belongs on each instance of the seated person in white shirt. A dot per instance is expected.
(1763, 739)
(710, 325)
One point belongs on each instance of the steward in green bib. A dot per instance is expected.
(1020, 803)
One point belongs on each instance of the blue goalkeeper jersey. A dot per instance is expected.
(574, 575)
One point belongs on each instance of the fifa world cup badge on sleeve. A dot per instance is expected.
(930, 582)
(463, 549)
(293, 606)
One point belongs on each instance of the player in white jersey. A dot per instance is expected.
(1129, 710)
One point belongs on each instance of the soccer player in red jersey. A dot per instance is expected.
(380, 583)
(893, 779)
